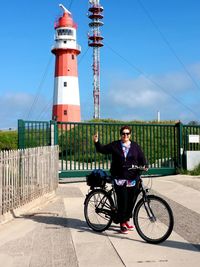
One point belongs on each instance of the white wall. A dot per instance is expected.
(192, 159)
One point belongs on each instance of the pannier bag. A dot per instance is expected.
(97, 178)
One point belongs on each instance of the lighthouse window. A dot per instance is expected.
(72, 56)
(65, 112)
(65, 32)
(65, 84)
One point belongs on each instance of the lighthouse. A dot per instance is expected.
(66, 99)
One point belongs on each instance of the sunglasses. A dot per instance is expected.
(125, 133)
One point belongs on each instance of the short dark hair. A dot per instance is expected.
(125, 127)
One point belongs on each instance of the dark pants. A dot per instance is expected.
(126, 197)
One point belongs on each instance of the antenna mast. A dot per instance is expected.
(95, 41)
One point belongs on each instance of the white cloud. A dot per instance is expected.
(174, 82)
(195, 70)
(174, 94)
(16, 105)
(12, 107)
(135, 93)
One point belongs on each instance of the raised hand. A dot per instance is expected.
(96, 137)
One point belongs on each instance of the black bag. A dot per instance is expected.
(97, 178)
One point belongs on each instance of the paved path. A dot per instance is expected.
(56, 234)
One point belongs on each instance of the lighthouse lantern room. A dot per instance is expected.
(66, 99)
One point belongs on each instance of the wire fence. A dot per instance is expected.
(27, 174)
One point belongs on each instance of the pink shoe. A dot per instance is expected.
(123, 228)
(129, 226)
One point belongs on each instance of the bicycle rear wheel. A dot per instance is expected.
(98, 210)
(153, 219)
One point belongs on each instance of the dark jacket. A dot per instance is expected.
(120, 164)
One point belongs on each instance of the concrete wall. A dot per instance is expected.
(192, 159)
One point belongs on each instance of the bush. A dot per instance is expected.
(194, 172)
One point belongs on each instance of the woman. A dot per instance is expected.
(125, 153)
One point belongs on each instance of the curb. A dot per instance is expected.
(15, 213)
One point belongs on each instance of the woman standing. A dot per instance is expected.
(125, 153)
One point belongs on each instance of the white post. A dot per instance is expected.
(52, 133)
(158, 116)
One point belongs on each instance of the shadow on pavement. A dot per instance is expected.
(181, 245)
(57, 221)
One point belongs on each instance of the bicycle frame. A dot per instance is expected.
(146, 202)
(101, 207)
(102, 204)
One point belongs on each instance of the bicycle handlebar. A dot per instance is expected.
(140, 168)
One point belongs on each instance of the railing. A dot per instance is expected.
(27, 174)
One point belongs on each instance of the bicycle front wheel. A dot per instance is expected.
(98, 210)
(153, 219)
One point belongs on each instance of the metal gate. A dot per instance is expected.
(36, 133)
(160, 143)
(163, 144)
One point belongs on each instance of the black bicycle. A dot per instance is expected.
(152, 215)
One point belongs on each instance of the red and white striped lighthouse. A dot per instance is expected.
(66, 100)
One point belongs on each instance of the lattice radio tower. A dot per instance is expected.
(95, 41)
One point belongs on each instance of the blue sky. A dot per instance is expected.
(150, 60)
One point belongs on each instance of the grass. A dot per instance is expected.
(194, 172)
(8, 140)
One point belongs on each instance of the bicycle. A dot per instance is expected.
(152, 215)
